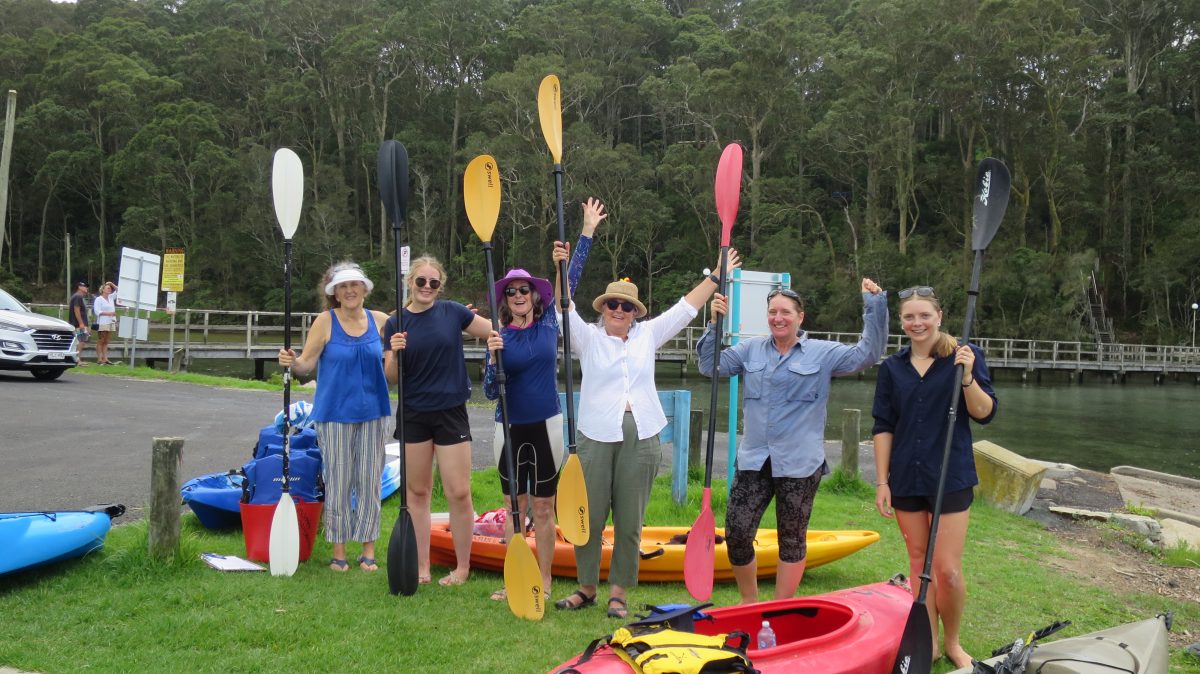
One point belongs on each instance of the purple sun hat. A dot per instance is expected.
(544, 288)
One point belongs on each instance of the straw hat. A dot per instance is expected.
(621, 289)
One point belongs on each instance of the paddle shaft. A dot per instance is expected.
(716, 370)
(518, 519)
(398, 356)
(564, 302)
(952, 418)
(287, 372)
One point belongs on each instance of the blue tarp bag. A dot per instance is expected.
(270, 441)
(264, 477)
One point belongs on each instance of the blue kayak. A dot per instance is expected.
(215, 497)
(36, 538)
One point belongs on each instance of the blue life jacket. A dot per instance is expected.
(264, 477)
(270, 441)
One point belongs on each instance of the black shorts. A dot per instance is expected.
(445, 427)
(952, 502)
(535, 461)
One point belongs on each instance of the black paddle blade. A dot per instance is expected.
(393, 180)
(402, 556)
(992, 187)
(916, 645)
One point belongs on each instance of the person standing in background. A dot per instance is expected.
(77, 316)
(106, 321)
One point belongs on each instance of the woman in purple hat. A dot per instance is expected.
(529, 337)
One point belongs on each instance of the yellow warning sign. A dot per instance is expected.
(172, 270)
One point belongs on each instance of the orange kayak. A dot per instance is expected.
(662, 559)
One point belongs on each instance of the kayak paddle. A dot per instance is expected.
(698, 555)
(287, 189)
(992, 187)
(522, 577)
(572, 501)
(392, 165)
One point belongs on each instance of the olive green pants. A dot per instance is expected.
(619, 476)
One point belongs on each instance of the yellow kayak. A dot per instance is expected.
(662, 556)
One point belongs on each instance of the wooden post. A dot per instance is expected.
(695, 453)
(850, 435)
(166, 460)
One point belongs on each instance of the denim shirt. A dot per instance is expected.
(786, 395)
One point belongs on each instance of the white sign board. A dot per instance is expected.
(126, 325)
(749, 292)
(137, 284)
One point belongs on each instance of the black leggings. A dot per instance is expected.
(752, 492)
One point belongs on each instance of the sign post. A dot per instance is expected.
(172, 283)
(138, 288)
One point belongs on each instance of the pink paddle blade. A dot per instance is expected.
(728, 189)
(699, 555)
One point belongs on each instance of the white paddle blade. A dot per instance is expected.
(287, 188)
(284, 546)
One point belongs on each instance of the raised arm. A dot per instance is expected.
(706, 287)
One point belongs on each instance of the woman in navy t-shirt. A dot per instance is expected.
(912, 393)
(436, 389)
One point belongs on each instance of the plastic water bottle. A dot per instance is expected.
(766, 636)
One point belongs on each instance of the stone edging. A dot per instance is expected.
(1145, 474)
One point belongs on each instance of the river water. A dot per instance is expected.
(1095, 425)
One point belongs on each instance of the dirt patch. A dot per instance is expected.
(1109, 560)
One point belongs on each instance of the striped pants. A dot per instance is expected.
(352, 463)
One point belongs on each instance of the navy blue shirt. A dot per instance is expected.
(915, 410)
(435, 369)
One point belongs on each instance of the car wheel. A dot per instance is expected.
(47, 373)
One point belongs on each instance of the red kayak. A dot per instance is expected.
(852, 631)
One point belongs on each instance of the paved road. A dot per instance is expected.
(86, 439)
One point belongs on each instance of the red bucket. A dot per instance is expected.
(256, 527)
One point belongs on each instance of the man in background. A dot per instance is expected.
(78, 315)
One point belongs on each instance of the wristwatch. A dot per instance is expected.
(714, 278)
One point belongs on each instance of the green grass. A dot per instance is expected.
(274, 383)
(119, 611)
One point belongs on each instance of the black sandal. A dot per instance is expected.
(621, 610)
(584, 600)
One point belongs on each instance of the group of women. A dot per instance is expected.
(781, 457)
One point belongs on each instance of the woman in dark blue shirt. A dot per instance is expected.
(912, 394)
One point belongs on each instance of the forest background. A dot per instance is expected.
(152, 125)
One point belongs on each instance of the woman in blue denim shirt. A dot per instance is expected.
(782, 454)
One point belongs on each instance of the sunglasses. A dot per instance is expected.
(512, 291)
(627, 307)
(919, 291)
(434, 284)
(791, 294)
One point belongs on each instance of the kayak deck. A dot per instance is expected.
(662, 551)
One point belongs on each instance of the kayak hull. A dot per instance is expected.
(32, 539)
(1137, 648)
(662, 560)
(851, 631)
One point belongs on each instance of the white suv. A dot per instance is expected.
(43, 345)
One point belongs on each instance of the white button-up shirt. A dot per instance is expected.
(619, 372)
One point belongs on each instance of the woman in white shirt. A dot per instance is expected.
(619, 421)
(106, 321)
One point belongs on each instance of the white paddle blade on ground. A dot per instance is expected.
(284, 546)
(287, 189)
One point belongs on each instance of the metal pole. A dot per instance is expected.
(5, 155)
(1195, 308)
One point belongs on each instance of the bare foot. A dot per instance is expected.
(958, 656)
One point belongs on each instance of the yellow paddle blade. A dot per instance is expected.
(572, 502)
(523, 581)
(550, 114)
(481, 195)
